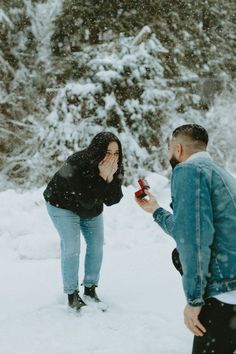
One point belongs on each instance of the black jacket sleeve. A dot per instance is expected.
(113, 192)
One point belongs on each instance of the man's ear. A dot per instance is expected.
(179, 151)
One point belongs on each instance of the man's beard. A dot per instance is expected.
(174, 162)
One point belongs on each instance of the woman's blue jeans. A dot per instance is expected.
(69, 225)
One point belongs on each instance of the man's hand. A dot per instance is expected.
(192, 322)
(148, 204)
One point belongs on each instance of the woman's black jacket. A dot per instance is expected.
(78, 187)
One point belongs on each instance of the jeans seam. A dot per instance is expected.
(198, 231)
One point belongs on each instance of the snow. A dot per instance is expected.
(107, 76)
(138, 283)
(83, 89)
(43, 15)
(4, 18)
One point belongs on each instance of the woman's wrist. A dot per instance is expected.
(109, 179)
(103, 176)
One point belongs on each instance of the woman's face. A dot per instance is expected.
(113, 150)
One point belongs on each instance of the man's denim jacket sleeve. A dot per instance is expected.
(191, 225)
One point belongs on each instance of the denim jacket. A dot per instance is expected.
(203, 224)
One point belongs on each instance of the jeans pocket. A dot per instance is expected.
(59, 212)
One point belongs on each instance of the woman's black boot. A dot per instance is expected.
(91, 292)
(75, 301)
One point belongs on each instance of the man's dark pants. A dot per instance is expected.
(219, 319)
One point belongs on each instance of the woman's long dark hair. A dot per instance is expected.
(97, 150)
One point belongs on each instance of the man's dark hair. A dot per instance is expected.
(194, 131)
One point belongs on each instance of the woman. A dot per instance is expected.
(75, 198)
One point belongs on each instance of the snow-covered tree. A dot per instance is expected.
(72, 68)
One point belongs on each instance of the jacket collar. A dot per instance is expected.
(200, 154)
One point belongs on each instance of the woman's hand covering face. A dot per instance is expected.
(108, 166)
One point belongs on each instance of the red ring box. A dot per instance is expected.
(141, 192)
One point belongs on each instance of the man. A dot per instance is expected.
(203, 225)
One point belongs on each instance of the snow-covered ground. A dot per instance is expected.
(138, 283)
